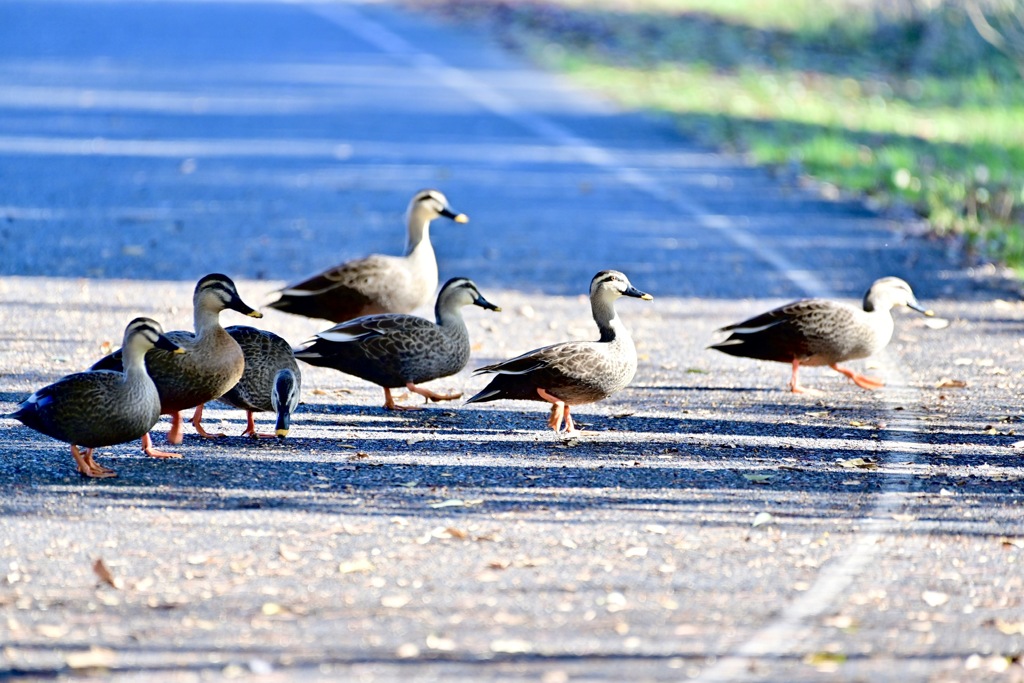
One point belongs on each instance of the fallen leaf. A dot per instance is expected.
(271, 609)
(511, 646)
(762, 518)
(440, 643)
(396, 601)
(407, 651)
(858, 463)
(1010, 628)
(99, 567)
(455, 503)
(93, 658)
(357, 565)
(288, 555)
(52, 630)
(935, 598)
(947, 383)
(639, 551)
(758, 478)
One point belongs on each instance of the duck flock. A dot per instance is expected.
(122, 396)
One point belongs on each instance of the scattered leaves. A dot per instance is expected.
(858, 463)
(396, 601)
(288, 554)
(93, 658)
(360, 564)
(99, 567)
(511, 646)
(456, 503)
(1010, 628)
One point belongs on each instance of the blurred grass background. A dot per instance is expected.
(901, 101)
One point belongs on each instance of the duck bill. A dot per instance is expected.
(484, 303)
(457, 217)
(634, 292)
(284, 423)
(166, 344)
(236, 304)
(921, 309)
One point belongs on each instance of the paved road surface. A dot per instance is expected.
(707, 525)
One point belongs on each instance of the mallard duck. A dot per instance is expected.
(271, 381)
(214, 362)
(102, 407)
(816, 332)
(396, 350)
(377, 284)
(573, 373)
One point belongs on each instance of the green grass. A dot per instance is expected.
(877, 97)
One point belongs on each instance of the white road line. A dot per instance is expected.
(791, 627)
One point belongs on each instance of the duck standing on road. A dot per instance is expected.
(816, 332)
(101, 407)
(212, 365)
(271, 380)
(573, 373)
(397, 350)
(377, 284)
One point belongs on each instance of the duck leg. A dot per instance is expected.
(559, 411)
(794, 382)
(430, 395)
(177, 431)
(862, 381)
(148, 449)
(389, 402)
(570, 426)
(89, 467)
(197, 422)
(250, 428)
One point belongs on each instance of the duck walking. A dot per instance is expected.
(397, 350)
(377, 284)
(103, 407)
(271, 380)
(814, 332)
(212, 365)
(573, 373)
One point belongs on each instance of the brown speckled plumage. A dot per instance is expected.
(101, 407)
(377, 284)
(573, 373)
(271, 380)
(212, 364)
(398, 350)
(816, 332)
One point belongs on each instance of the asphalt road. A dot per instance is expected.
(706, 524)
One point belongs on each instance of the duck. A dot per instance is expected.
(212, 365)
(93, 409)
(398, 350)
(816, 332)
(271, 380)
(576, 372)
(377, 283)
